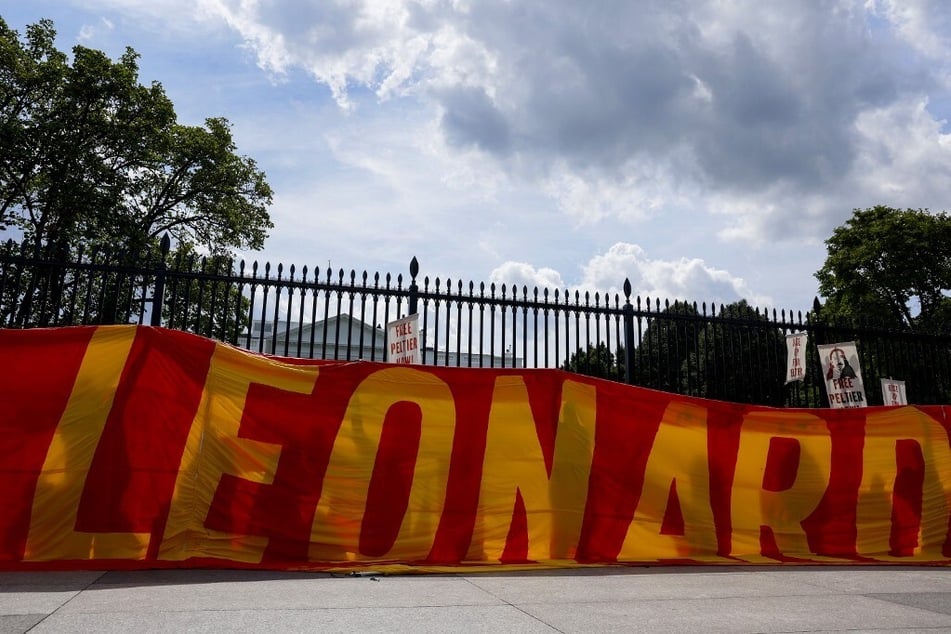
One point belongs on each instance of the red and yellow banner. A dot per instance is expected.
(129, 446)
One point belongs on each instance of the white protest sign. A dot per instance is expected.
(795, 357)
(403, 340)
(843, 375)
(893, 392)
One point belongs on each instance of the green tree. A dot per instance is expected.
(91, 156)
(597, 360)
(890, 267)
(739, 357)
(92, 159)
(199, 298)
(664, 346)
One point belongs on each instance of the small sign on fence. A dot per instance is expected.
(843, 375)
(403, 340)
(893, 392)
(795, 357)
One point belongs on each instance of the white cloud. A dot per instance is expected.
(754, 124)
(182, 16)
(615, 110)
(89, 32)
(523, 274)
(905, 157)
(689, 279)
(341, 44)
(638, 190)
(86, 33)
(727, 138)
(924, 24)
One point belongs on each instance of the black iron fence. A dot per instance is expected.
(732, 352)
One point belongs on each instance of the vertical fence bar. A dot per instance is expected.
(413, 288)
(158, 291)
(628, 317)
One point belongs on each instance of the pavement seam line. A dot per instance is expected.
(879, 596)
(70, 599)
(507, 602)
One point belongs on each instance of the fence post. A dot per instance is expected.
(820, 338)
(628, 312)
(413, 289)
(158, 293)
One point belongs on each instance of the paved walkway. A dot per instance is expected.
(648, 599)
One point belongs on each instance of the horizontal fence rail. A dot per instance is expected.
(730, 352)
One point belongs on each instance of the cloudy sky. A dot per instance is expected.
(704, 149)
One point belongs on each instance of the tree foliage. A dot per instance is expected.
(890, 267)
(665, 345)
(91, 156)
(599, 361)
(94, 161)
(739, 358)
(199, 301)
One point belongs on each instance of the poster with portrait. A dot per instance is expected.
(893, 392)
(843, 375)
(795, 357)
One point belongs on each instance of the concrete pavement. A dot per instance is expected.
(648, 599)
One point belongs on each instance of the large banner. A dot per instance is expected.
(139, 447)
